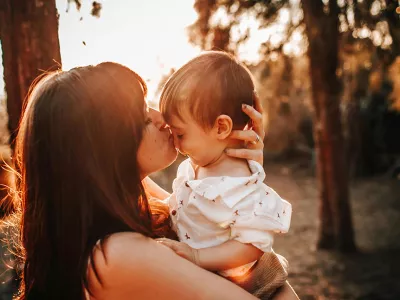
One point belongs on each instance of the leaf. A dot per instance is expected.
(96, 8)
(78, 4)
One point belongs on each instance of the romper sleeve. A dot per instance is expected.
(267, 213)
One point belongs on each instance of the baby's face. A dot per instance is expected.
(200, 144)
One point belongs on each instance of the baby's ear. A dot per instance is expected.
(223, 126)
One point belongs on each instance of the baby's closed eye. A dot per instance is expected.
(177, 133)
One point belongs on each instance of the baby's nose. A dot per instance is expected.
(178, 145)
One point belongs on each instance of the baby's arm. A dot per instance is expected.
(228, 255)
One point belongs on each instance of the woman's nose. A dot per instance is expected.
(158, 119)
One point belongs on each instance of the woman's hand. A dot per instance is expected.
(182, 249)
(253, 135)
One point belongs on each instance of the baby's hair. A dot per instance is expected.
(209, 85)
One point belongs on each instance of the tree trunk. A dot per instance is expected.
(393, 20)
(29, 38)
(336, 228)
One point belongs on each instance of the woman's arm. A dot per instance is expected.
(154, 189)
(130, 266)
(228, 255)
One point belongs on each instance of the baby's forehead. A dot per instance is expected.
(184, 104)
(177, 121)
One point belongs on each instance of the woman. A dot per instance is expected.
(86, 142)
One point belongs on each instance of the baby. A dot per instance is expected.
(220, 206)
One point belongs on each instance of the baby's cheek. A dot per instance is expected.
(189, 148)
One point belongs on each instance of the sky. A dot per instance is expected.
(147, 36)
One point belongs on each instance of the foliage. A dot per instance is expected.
(96, 7)
(369, 42)
(220, 24)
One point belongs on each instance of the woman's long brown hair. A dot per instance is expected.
(79, 178)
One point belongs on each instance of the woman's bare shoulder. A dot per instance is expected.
(118, 247)
(122, 243)
(119, 255)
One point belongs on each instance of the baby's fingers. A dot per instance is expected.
(173, 245)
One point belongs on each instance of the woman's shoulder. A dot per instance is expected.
(116, 248)
(116, 242)
(119, 255)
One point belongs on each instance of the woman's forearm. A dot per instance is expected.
(154, 190)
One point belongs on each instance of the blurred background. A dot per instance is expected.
(328, 75)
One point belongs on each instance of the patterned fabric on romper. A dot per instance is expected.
(211, 211)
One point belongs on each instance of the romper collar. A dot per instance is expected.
(230, 189)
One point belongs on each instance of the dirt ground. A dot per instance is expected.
(372, 273)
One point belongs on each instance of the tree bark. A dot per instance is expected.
(336, 228)
(393, 20)
(29, 38)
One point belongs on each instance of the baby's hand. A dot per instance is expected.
(182, 249)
